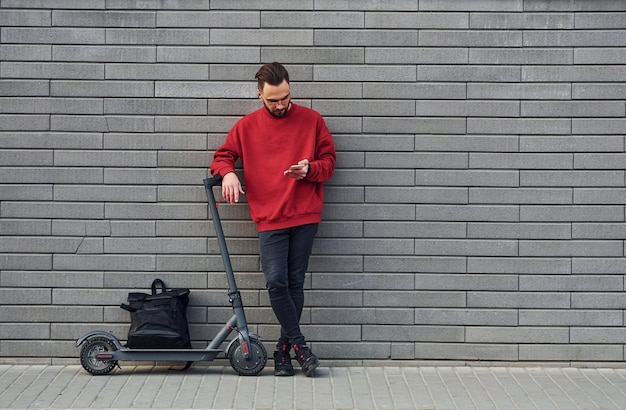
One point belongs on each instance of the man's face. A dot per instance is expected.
(276, 98)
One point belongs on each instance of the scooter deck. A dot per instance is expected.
(192, 355)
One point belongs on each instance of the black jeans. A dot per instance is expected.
(284, 259)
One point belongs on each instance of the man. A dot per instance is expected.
(287, 153)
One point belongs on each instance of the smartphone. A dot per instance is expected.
(296, 167)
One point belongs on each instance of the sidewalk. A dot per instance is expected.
(219, 387)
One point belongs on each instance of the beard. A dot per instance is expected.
(277, 113)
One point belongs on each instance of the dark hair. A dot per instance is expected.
(272, 73)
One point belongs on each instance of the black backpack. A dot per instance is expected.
(158, 320)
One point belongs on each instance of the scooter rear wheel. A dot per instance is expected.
(88, 353)
(248, 367)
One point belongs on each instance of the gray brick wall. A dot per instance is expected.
(477, 211)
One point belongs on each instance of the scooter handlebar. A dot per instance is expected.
(215, 180)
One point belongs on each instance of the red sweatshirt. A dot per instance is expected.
(267, 147)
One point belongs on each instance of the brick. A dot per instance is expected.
(520, 195)
(571, 283)
(467, 108)
(14, 122)
(310, 55)
(214, 54)
(105, 158)
(417, 55)
(17, 18)
(574, 38)
(170, 89)
(513, 21)
(601, 5)
(159, 5)
(604, 335)
(517, 300)
(572, 178)
(389, 108)
(326, 89)
(466, 178)
(51, 106)
(103, 18)
(519, 91)
(445, 91)
(600, 20)
(466, 282)
(157, 71)
(154, 211)
(371, 37)
(599, 196)
(466, 143)
(573, 109)
(25, 227)
(519, 126)
(598, 300)
(571, 143)
(104, 54)
(207, 19)
(395, 73)
(316, 19)
(519, 230)
(414, 125)
(414, 264)
(571, 352)
(26, 158)
(119, 89)
(595, 56)
(466, 317)
(101, 123)
(578, 73)
(469, 247)
(53, 35)
(363, 246)
(417, 195)
(519, 334)
(484, 213)
(158, 36)
(32, 88)
(24, 262)
(414, 229)
(80, 228)
(104, 262)
(598, 230)
(236, 37)
(606, 126)
(579, 213)
(392, 5)
(17, 296)
(467, 38)
(556, 266)
(12, 52)
(24, 331)
(579, 248)
(413, 333)
(521, 161)
(362, 281)
(52, 210)
(430, 20)
(71, 314)
(465, 351)
(468, 5)
(152, 141)
(473, 73)
(602, 265)
(417, 160)
(106, 193)
(598, 91)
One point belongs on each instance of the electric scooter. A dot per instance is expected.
(101, 350)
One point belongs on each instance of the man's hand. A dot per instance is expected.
(298, 171)
(231, 188)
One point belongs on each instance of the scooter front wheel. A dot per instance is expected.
(88, 353)
(251, 366)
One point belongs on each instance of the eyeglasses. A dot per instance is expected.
(282, 101)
